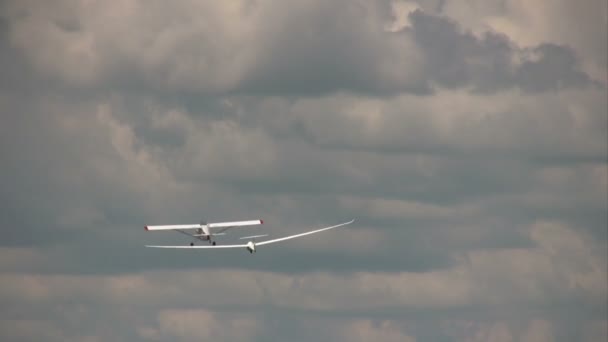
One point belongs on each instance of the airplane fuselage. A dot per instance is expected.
(251, 246)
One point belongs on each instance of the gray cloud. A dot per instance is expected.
(272, 49)
(581, 26)
(456, 59)
(523, 282)
(473, 160)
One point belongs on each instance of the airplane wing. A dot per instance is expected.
(201, 246)
(302, 234)
(261, 242)
(235, 224)
(224, 225)
(174, 227)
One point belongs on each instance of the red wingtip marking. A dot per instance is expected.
(146, 227)
(261, 221)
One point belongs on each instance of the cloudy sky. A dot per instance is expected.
(467, 138)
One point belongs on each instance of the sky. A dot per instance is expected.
(468, 140)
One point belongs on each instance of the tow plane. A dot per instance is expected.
(205, 231)
(251, 244)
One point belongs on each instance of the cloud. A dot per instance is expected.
(194, 325)
(580, 26)
(455, 59)
(367, 331)
(19, 258)
(270, 48)
(539, 331)
(564, 264)
(467, 140)
(29, 330)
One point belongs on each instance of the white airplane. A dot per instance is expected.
(251, 245)
(205, 231)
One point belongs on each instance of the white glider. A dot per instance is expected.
(205, 231)
(250, 246)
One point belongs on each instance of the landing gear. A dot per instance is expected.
(213, 243)
(191, 243)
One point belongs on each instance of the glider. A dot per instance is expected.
(251, 245)
(205, 231)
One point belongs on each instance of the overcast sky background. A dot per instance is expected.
(467, 138)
